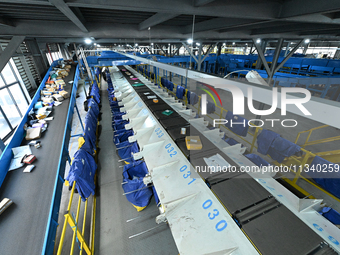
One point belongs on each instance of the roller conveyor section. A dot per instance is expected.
(23, 227)
(239, 192)
(272, 227)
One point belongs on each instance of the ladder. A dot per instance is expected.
(86, 64)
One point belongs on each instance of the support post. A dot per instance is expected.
(219, 49)
(261, 59)
(274, 61)
(287, 49)
(288, 56)
(190, 52)
(305, 49)
(199, 57)
(2, 146)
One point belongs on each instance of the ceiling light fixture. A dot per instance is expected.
(88, 41)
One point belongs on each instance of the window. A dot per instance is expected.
(8, 75)
(19, 98)
(14, 99)
(4, 126)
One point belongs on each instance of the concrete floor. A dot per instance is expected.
(73, 147)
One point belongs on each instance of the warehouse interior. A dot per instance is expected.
(170, 127)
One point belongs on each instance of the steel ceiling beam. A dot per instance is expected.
(11, 48)
(220, 23)
(79, 14)
(314, 18)
(292, 28)
(260, 48)
(63, 7)
(202, 2)
(6, 22)
(156, 19)
(305, 7)
(35, 2)
(264, 10)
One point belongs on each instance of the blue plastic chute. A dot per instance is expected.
(119, 124)
(137, 192)
(180, 91)
(122, 135)
(331, 215)
(240, 124)
(257, 160)
(326, 174)
(126, 151)
(275, 146)
(94, 106)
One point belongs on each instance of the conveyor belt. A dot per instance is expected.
(271, 226)
(23, 225)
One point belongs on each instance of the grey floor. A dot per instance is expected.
(113, 210)
(73, 147)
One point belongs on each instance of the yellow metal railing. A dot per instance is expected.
(79, 236)
(309, 131)
(300, 162)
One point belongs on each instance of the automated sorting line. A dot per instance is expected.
(254, 208)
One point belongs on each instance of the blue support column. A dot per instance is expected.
(2, 146)
(81, 123)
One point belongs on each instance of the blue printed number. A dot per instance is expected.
(171, 150)
(183, 168)
(186, 175)
(207, 204)
(159, 132)
(213, 215)
(221, 225)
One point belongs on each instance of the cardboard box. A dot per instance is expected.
(193, 143)
(33, 133)
(58, 97)
(47, 99)
(64, 94)
(46, 93)
(60, 82)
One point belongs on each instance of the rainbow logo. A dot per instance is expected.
(209, 93)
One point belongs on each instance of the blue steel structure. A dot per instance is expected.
(16, 141)
(52, 223)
